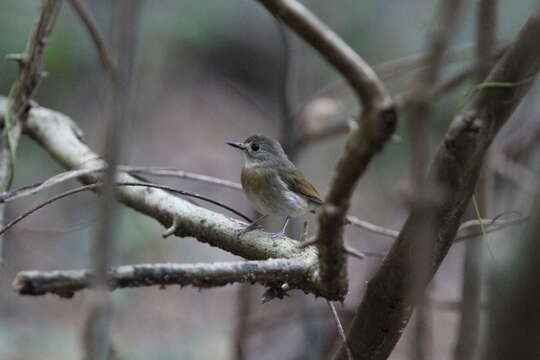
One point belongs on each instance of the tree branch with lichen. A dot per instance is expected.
(373, 129)
(283, 273)
(384, 310)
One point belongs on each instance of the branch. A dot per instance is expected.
(74, 174)
(97, 328)
(18, 103)
(355, 70)
(375, 128)
(274, 272)
(87, 19)
(341, 331)
(50, 182)
(315, 131)
(165, 171)
(417, 114)
(385, 311)
(59, 135)
(99, 185)
(472, 228)
(468, 342)
(388, 70)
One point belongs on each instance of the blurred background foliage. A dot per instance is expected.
(207, 72)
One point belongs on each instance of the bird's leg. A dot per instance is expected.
(255, 224)
(282, 231)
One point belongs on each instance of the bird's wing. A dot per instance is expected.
(297, 182)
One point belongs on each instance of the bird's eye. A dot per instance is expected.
(255, 147)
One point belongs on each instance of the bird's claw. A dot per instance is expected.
(246, 229)
(278, 234)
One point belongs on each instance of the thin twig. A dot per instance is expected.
(341, 331)
(328, 129)
(172, 172)
(390, 69)
(91, 26)
(98, 185)
(366, 225)
(464, 232)
(50, 182)
(45, 203)
(73, 174)
(188, 194)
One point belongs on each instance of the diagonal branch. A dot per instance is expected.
(18, 103)
(181, 174)
(59, 135)
(89, 22)
(384, 310)
(95, 186)
(374, 129)
(296, 273)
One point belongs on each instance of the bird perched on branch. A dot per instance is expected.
(272, 183)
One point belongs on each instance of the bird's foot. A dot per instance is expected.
(247, 229)
(278, 234)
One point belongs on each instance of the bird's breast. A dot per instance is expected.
(269, 194)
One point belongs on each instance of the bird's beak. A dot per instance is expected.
(238, 145)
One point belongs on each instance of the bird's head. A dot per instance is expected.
(260, 150)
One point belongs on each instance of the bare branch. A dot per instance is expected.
(418, 112)
(165, 171)
(312, 133)
(472, 228)
(340, 330)
(275, 272)
(50, 182)
(98, 323)
(357, 72)
(45, 203)
(87, 19)
(403, 65)
(18, 103)
(74, 174)
(377, 125)
(468, 341)
(390, 69)
(385, 311)
(62, 139)
(365, 225)
(99, 185)
(491, 225)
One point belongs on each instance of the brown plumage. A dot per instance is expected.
(271, 181)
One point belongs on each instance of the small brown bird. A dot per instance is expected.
(272, 183)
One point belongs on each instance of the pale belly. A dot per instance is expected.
(279, 203)
(274, 198)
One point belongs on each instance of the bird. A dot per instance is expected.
(273, 184)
